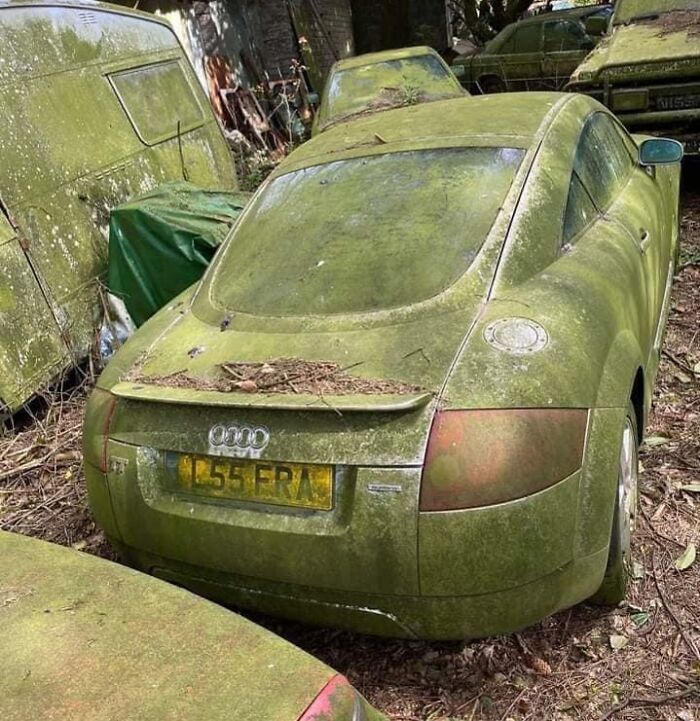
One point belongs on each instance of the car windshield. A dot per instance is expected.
(363, 234)
(629, 10)
(388, 84)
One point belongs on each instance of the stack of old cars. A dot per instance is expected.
(405, 399)
(645, 68)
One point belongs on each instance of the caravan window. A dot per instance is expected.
(158, 100)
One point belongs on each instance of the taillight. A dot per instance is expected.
(482, 457)
(98, 416)
(337, 701)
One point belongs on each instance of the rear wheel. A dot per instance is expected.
(492, 84)
(614, 586)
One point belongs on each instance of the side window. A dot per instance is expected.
(562, 35)
(602, 162)
(158, 100)
(580, 211)
(525, 39)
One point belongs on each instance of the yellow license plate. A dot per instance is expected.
(283, 484)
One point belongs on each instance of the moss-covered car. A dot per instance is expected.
(89, 640)
(407, 396)
(647, 69)
(98, 104)
(538, 53)
(379, 81)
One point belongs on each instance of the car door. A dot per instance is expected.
(526, 59)
(31, 346)
(628, 197)
(518, 61)
(565, 46)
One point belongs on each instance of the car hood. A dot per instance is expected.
(94, 640)
(641, 50)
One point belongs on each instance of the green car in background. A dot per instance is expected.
(406, 397)
(380, 81)
(88, 640)
(538, 53)
(647, 70)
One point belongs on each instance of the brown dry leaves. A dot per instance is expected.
(283, 375)
(42, 489)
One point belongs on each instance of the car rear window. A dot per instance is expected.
(363, 234)
(158, 100)
(392, 83)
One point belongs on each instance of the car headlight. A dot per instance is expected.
(479, 458)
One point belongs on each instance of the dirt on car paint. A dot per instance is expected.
(283, 375)
(676, 21)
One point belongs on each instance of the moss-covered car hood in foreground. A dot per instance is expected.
(642, 50)
(85, 639)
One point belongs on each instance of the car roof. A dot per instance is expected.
(382, 57)
(499, 120)
(98, 636)
(82, 5)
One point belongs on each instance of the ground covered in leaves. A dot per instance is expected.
(638, 662)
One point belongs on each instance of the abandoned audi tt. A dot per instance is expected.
(406, 397)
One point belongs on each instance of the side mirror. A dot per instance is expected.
(657, 151)
(313, 98)
(596, 25)
(458, 71)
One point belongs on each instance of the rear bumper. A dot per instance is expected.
(375, 564)
(478, 572)
(424, 617)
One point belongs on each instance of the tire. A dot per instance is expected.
(613, 589)
(492, 84)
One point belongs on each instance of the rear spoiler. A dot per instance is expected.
(385, 403)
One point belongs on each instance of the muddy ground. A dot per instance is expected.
(638, 661)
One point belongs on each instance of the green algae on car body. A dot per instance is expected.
(504, 265)
(647, 69)
(538, 53)
(98, 104)
(383, 80)
(89, 640)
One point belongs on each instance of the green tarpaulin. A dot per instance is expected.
(161, 242)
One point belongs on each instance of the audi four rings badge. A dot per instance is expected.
(241, 441)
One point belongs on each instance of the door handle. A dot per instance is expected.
(644, 239)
